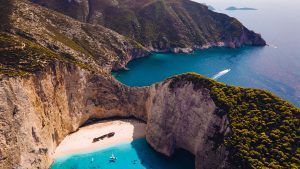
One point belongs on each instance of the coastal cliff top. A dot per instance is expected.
(264, 128)
(160, 24)
(124, 31)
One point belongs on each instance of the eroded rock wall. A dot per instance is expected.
(162, 26)
(38, 111)
(184, 117)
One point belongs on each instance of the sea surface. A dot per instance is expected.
(134, 155)
(275, 67)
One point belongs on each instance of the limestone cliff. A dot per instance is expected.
(91, 46)
(38, 111)
(185, 118)
(223, 126)
(54, 77)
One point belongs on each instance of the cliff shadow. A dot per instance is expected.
(6, 8)
(150, 159)
(129, 119)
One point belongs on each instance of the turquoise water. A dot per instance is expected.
(275, 68)
(243, 64)
(135, 155)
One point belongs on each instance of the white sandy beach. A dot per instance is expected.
(82, 140)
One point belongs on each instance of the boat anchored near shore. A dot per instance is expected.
(112, 158)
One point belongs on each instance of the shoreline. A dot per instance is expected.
(190, 50)
(81, 141)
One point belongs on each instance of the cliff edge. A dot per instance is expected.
(223, 126)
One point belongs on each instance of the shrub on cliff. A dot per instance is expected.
(264, 128)
(19, 56)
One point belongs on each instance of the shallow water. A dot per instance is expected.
(135, 155)
(275, 68)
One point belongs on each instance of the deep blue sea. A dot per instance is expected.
(135, 155)
(275, 68)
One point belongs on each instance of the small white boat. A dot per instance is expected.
(222, 73)
(112, 158)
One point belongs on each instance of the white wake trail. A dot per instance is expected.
(272, 46)
(220, 74)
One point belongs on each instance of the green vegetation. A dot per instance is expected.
(264, 128)
(6, 9)
(161, 24)
(66, 41)
(19, 56)
(121, 19)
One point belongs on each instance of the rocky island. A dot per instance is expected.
(55, 63)
(232, 8)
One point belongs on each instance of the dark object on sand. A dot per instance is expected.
(109, 135)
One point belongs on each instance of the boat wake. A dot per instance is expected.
(272, 46)
(220, 74)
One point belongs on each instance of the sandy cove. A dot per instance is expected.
(82, 140)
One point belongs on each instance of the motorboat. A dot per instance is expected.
(112, 158)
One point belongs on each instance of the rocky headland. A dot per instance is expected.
(161, 25)
(55, 76)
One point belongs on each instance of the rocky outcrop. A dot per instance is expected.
(163, 25)
(38, 111)
(78, 9)
(187, 111)
(185, 118)
(223, 126)
(93, 46)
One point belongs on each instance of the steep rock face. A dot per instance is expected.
(91, 46)
(6, 10)
(58, 70)
(214, 121)
(223, 126)
(185, 118)
(38, 111)
(78, 9)
(164, 24)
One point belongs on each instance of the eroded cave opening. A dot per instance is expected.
(94, 120)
